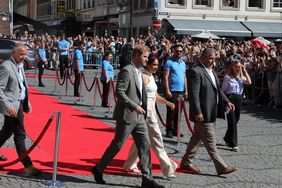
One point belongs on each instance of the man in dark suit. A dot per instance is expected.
(13, 102)
(130, 115)
(124, 56)
(206, 104)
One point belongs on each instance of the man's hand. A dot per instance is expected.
(231, 106)
(140, 110)
(199, 118)
(170, 105)
(12, 112)
(168, 94)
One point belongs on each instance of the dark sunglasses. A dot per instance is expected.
(178, 51)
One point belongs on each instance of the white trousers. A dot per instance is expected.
(167, 165)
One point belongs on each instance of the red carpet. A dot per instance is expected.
(29, 75)
(83, 139)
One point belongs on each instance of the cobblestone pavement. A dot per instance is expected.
(259, 160)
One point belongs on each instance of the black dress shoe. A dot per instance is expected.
(169, 134)
(175, 134)
(41, 85)
(98, 177)
(150, 183)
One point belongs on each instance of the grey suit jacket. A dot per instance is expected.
(202, 95)
(129, 95)
(10, 88)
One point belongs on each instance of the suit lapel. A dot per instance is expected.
(208, 76)
(15, 69)
(136, 78)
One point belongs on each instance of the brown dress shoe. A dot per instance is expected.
(32, 171)
(190, 169)
(227, 170)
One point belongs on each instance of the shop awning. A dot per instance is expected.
(265, 29)
(20, 19)
(220, 28)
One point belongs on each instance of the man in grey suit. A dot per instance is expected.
(207, 103)
(129, 113)
(13, 102)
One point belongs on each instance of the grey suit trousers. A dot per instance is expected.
(139, 132)
(204, 132)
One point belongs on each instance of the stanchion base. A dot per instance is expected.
(53, 183)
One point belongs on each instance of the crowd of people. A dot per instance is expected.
(211, 74)
(263, 64)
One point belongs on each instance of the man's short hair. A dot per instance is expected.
(178, 45)
(139, 50)
(207, 51)
(18, 46)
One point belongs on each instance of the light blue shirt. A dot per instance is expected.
(77, 56)
(42, 54)
(107, 66)
(63, 44)
(177, 70)
(233, 85)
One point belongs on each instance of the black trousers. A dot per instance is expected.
(40, 71)
(14, 126)
(106, 87)
(233, 118)
(64, 63)
(77, 78)
(169, 113)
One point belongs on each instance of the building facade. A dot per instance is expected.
(5, 17)
(125, 18)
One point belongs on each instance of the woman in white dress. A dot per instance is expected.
(167, 165)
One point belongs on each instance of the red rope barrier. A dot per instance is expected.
(32, 147)
(69, 77)
(187, 118)
(170, 120)
(99, 90)
(58, 79)
(84, 81)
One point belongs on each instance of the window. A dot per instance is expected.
(135, 4)
(259, 4)
(150, 3)
(89, 4)
(176, 3)
(229, 4)
(203, 3)
(277, 3)
(142, 4)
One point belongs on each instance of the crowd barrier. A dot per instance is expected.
(91, 60)
(179, 105)
(95, 84)
(36, 142)
(258, 91)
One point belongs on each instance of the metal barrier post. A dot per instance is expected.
(54, 181)
(179, 101)
(80, 87)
